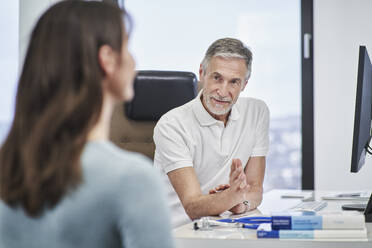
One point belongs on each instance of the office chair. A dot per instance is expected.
(156, 92)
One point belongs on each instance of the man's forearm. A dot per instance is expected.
(255, 172)
(212, 204)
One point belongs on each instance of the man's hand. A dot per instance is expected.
(237, 180)
(219, 188)
(237, 209)
(186, 184)
(238, 186)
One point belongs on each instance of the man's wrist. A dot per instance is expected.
(247, 205)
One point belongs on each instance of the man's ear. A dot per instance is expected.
(245, 84)
(107, 59)
(201, 72)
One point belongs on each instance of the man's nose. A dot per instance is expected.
(223, 90)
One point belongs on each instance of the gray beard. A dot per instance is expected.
(213, 110)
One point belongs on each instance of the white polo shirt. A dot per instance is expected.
(190, 136)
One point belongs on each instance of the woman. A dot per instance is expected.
(62, 183)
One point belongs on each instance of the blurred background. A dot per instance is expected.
(174, 35)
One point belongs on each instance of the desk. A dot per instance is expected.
(185, 236)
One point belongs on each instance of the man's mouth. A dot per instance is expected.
(221, 101)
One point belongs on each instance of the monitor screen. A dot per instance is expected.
(363, 112)
(362, 125)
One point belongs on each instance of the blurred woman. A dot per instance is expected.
(62, 183)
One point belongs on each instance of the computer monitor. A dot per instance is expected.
(362, 123)
(363, 112)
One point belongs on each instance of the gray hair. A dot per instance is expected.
(228, 48)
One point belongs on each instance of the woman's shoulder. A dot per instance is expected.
(109, 152)
(119, 175)
(108, 160)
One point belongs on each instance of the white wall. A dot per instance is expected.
(17, 19)
(8, 61)
(340, 26)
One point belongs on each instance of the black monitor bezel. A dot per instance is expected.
(358, 147)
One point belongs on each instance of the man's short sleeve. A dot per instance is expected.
(172, 146)
(261, 147)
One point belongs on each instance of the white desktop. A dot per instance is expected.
(273, 201)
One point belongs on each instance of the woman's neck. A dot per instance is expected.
(101, 130)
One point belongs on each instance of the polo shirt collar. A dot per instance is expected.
(204, 118)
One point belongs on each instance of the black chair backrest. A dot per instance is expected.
(157, 92)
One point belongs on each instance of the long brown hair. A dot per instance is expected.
(59, 99)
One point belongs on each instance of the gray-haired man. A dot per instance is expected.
(213, 148)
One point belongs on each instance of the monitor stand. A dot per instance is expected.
(367, 208)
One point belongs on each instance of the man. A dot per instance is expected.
(213, 148)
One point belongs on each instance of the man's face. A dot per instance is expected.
(223, 80)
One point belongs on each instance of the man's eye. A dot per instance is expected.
(216, 77)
